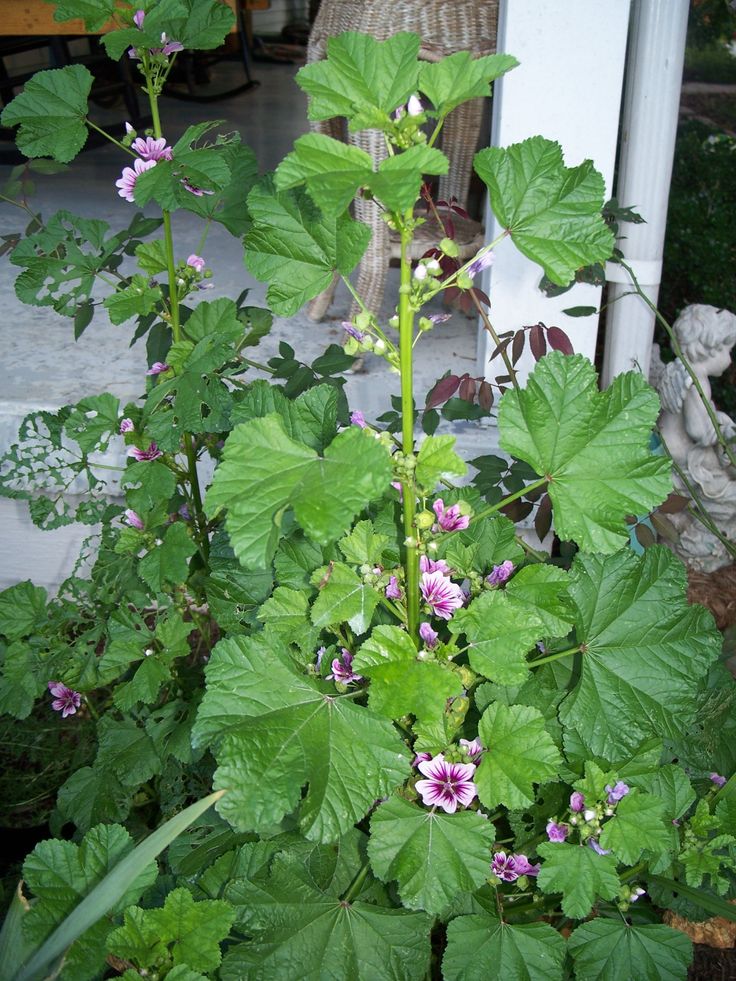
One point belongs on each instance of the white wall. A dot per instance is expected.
(566, 88)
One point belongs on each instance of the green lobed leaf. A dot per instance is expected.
(592, 446)
(127, 751)
(401, 682)
(167, 563)
(437, 459)
(295, 248)
(433, 856)
(135, 300)
(481, 946)
(363, 546)
(552, 212)
(93, 421)
(264, 471)
(275, 730)
(300, 932)
(613, 950)
(286, 615)
(51, 112)
(579, 873)
(400, 177)
(188, 932)
(332, 171)
(95, 13)
(199, 25)
(645, 650)
(91, 795)
(637, 824)
(519, 753)
(361, 77)
(22, 610)
(344, 598)
(455, 79)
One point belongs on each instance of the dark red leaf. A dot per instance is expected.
(673, 504)
(645, 536)
(537, 342)
(485, 395)
(664, 528)
(543, 518)
(460, 211)
(501, 346)
(467, 389)
(442, 391)
(449, 225)
(559, 341)
(517, 348)
(503, 379)
(479, 294)
(517, 510)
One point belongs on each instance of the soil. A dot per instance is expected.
(710, 964)
(718, 109)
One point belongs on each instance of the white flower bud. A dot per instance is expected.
(379, 347)
(148, 651)
(589, 814)
(420, 273)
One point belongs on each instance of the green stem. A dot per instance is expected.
(257, 364)
(357, 884)
(487, 325)
(555, 657)
(493, 508)
(406, 338)
(125, 149)
(707, 404)
(199, 517)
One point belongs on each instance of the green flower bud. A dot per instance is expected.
(449, 248)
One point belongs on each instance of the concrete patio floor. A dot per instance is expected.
(43, 367)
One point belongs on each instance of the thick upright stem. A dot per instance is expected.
(406, 343)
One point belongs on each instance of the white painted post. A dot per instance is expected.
(653, 81)
(566, 88)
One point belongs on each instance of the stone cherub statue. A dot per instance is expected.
(706, 336)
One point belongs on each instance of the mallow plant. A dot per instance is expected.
(435, 751)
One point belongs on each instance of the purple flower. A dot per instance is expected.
(439, 318)
(482, 261)
(717, 779)
(150, 149)
(358, 419)
(198, 192)
(503, 867)
(138, 18)
(524, 866)
(320, 655)
(428, 635)
(184, 513)
(158, 368)
(134, 519)
(126, 426)
(577, 801)
(196, 262)
(66, 700)
(500, 573)
(592, 843)
(130, 175)
(397, 486)
(145, 456)
(449, 519)
(170, 47)
(431, 565)
(205, 286)
(637, 893)
(393, 590)
(440, 594)
(473, 749)
(421, 758)
(342, 669)
(557, 832)
(356, 334)
(616, 793)
(447, 785)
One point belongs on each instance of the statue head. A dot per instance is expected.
(706, 335)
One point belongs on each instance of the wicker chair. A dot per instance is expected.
(445, 26)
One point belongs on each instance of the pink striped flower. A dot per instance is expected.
(393, 590)
(150, 149)
(66, 700)
(358, 419)
(145, 456)
(500, 573)
(138, 18)
(134, 519)
(441, 594)
(342, 669)
(473, 749)
(428, 635)
(158, 368)
(130, 175)
(447, 784)
(196, 262)
(449, 519)
(430, 565)
(126, 426)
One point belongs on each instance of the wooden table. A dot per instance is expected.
(22, 17)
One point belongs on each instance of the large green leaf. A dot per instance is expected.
(167, 562)
(613, 950)
(332, 171)
(22, 610)
(645, 650)
(579, 873)
(399, 178)
(95, 13)
(343, 598)
(481, 946)
(295, 248)
(458, 77)
(592, 446)
(197, 24)
(276, 730)
(51, 111)
(302, 934)
(519, 753)
(637, 824)
(362, 78)
(552, 212)
(437, 459)
(264, 471)
(433, 856)
(402, 684)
